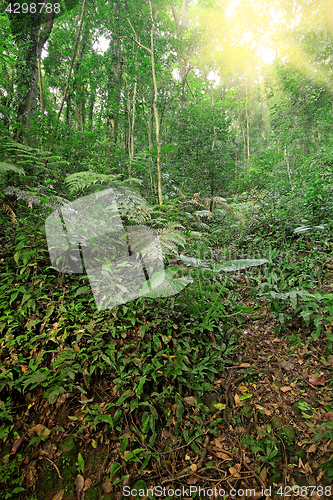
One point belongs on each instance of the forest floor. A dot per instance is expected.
(287, 393)
(252, 433)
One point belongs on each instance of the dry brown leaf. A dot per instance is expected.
(62, 398)
(286, 388)
(107, 486)
(218, 442)
(59, 495)
(300, 464)
(37, 429)
(17, 444)
(30, 478)
(307, 468)
(80, 415)
(237, 400)
(192, 479)
(263, 474)
(268, 413)
(190, 400)
(317, 380)
(79, 483)
(223, 456)
(194, 467)
(234, 472)
(328, 417)
(312, 448)
(287, 365)
(87, 484)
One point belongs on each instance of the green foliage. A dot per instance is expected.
(9, 477)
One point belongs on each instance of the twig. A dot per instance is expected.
(54, 465)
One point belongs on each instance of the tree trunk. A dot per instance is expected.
(151, 145)
(77, 84)
(30, 39)
(131, 121)
(78, 110)
(247, 126)
(243, 133)
(157, 123)
(40, 95)
(69, 72)
(113, 98)
(266, 125)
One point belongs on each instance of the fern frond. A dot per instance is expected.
(81, 180)
(171, 239)
(9, 167)
(34, 198)
(202, 213)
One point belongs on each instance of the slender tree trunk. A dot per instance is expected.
(265, 111)
(247, 126)
(40, 95)
(131, 121)
(68, 109)
(151, 145)
(92, 99)
(157, 123)
(78, 88)
(243, 132)
(78, 110)
(288, 167)
(27, 65)
(69, 71)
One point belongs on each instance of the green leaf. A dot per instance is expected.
(106, 418)
(133, 453)
(237, 265)
(35, 379)
(232, 265)
(245, 396)
(13, 296)
(114, 468)
(81, 462)
(53, 396)
(140, 386)
(49, 311)
(82, 289)
(124, 446)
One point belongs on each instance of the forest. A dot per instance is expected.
(166, 264)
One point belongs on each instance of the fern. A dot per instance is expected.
(9, 167)
(34, 197)
(170, 239)
(21, 159)
(82, 180)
